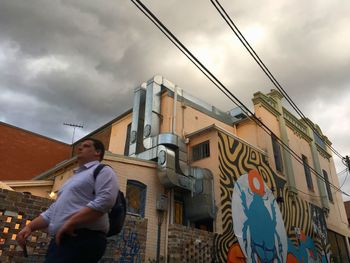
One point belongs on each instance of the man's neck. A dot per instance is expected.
(82, 163)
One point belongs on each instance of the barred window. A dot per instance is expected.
(200, 151)
(307, 171)
(136, 197)
(328, 186)
(277, 154)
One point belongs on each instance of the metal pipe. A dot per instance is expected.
(174, 111)
(167, 227)
(160, 221)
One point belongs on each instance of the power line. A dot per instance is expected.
(217, 83)
(267, 72)
(346, 177)
(221, 86)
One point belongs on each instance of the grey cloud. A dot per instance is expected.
(110, 47)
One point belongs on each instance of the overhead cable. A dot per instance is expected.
(267, 72)
(221, 86)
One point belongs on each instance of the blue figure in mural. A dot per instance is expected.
(261, 240)
(306, 252)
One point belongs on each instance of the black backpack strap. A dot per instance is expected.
(98, 169)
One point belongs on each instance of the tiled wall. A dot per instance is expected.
(189, 245)
(17, 209)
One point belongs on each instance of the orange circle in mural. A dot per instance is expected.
(256, 182)
(235, 254)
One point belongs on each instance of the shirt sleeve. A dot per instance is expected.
(47, 214)
(106, 190)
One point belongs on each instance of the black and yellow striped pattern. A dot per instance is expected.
(237, 158)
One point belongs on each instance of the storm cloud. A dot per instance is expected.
(78, 61)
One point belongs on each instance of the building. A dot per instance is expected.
(213, 186)
(25, 154)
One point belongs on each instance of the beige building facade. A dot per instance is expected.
(184, 162)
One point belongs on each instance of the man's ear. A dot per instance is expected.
(98, 153)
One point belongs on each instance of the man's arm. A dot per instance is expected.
(86, 215)
(37, 224)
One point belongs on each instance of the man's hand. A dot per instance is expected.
(23, 235)
(66, 229)
(36, 224)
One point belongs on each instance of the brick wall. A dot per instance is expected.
(25, 154)
(17, 209)
(130, 244)
(189, 245)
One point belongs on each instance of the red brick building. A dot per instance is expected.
(24, 154)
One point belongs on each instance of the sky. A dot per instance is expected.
(78, 61)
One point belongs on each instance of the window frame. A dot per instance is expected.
(277, 154)
(307, 172)
(328, 185)
(143, 192)
(200, 151)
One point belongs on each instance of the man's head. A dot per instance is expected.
(90, 150)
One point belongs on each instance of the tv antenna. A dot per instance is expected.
(74, 127)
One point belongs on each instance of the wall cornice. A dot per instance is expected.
(296, 125)
(269, 103)
(322, 152)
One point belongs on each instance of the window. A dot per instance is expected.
(200, 151)
(319, 141)
(277, 154)
(328, 186)
(338, 247)
(127, 141)
(307, 171)
(136, 197)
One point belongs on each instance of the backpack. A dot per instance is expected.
(118, 212)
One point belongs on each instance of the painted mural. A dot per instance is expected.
(257, 228)
(257, 220)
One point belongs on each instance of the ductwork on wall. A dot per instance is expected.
(168, 149)
(201, 205)
(138, 112)
(152, 114)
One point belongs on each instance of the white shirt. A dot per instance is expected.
(82, 190)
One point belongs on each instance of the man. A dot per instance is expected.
(78, 219)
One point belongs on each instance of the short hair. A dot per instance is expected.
(99, 146)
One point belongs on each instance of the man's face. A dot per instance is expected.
(87, 152)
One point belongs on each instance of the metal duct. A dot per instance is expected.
(170, 150)
(178, 145)
(201, 204)
(200, 196)
(167, 174)
(138, 111)
(152, 113)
